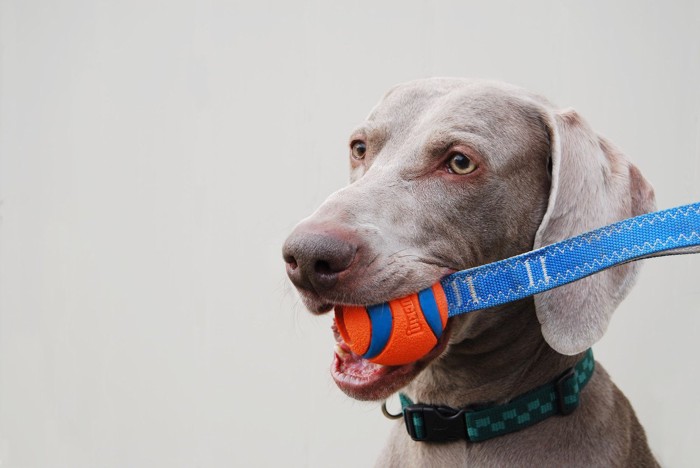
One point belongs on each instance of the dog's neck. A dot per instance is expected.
(502, 355)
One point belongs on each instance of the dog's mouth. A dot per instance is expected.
(362, 379)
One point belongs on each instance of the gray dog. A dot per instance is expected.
(448, 174)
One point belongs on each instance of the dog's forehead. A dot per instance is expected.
(449, 103)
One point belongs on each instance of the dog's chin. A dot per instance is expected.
(364, 380)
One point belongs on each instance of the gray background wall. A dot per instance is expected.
(154, 155)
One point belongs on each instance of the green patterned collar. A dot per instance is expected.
(430, 423)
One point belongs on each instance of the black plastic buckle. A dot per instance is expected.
(564, 409)
(440, 423)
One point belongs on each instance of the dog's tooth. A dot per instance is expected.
(340, 351)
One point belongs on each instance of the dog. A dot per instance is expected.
(448, 174)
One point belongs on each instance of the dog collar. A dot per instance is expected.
(431, 423)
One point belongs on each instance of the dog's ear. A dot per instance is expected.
(593, 184)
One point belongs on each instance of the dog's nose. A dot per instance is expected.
(315, 258)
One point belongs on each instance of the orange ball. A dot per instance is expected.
(398, 332)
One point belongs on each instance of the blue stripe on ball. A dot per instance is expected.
(382, 321)
(430, 311)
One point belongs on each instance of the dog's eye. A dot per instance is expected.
(460, 164)
(358, 149)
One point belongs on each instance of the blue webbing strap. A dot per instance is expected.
(572, 259)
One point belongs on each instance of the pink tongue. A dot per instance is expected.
(354, 365)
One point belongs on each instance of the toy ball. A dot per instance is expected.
(396, 332)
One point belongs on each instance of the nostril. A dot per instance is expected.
(291, 262)
(322, 267)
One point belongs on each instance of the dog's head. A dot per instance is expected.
(448, 174)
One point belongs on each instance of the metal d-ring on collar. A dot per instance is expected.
(388, 415)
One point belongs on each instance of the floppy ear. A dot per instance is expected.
(593, 184)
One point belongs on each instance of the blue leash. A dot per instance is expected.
(571, 259)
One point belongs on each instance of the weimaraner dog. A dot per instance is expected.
(448, 174)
